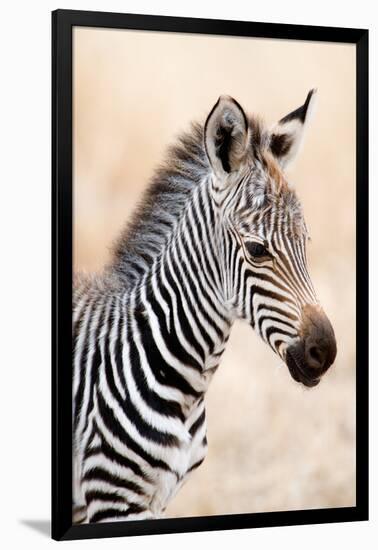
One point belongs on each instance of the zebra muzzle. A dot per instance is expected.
(312, 355)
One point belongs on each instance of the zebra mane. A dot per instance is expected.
(186, 165)
(162, 204)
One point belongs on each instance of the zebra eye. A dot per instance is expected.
(257, 250)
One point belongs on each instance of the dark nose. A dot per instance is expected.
(318, 338)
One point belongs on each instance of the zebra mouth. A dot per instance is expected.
(299, 371)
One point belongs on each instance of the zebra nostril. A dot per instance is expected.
(316, 356)
(318, 339)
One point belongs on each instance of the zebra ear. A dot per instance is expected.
(225, 134)
(287, 136)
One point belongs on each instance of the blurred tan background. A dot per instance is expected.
(273, 445)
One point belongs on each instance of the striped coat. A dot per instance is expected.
(220, 235)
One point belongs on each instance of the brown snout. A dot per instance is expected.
(315, 352)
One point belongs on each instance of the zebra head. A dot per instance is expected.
(262, 235)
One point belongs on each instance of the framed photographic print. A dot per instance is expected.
(210, 225)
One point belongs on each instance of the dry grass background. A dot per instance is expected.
(273, 445)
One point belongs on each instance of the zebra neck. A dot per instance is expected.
(178, 305)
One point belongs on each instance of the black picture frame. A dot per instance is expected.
(63, 22)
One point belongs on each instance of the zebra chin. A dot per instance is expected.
(299, 371)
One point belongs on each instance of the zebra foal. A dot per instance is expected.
(220, 235)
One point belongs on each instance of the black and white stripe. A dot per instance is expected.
(149, 333)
